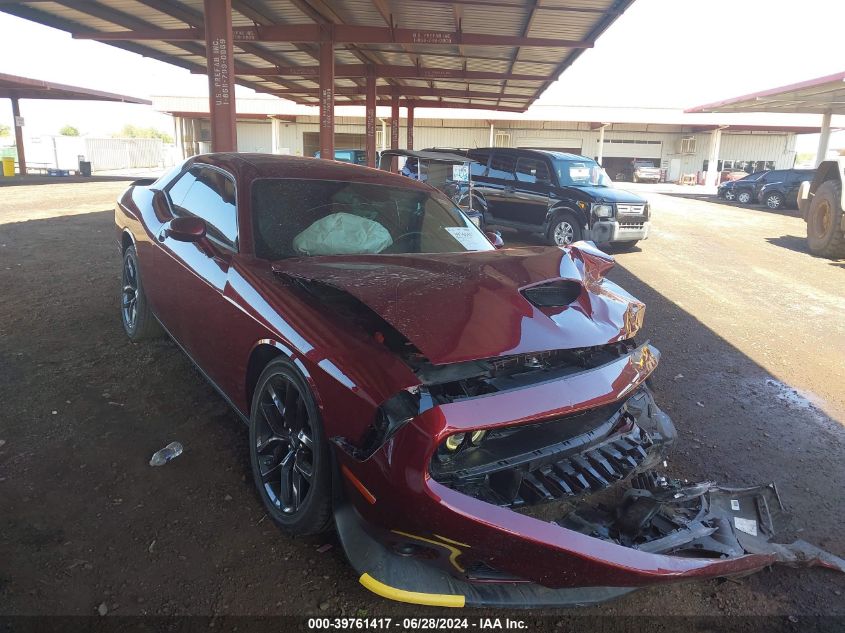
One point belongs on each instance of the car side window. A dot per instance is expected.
(209, 194)
(502, 167)
(532, 170)
(479, 166)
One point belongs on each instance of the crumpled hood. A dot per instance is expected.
(467, 306)
(609, 194)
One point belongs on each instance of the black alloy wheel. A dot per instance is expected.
(139, 323)
(290, 458)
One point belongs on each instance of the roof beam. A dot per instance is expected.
(337, 33)
(383, 71)
(520, 4)
(404, 103)
(404, 91)
(195, 19)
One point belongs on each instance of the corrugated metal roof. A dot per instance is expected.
(565, 21)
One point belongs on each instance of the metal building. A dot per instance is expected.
(677, 141)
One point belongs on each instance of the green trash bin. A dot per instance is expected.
(8, 166)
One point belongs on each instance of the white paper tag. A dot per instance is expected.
(749, 526)
(734, 504)
(470, 238)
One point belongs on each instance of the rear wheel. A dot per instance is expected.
(774, 200)
(288, 451)
(744, 197)
(565, 230)
(824, 221)
(138, 320)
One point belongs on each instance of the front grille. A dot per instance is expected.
(632, 226)
(630, 209)
(589, 470)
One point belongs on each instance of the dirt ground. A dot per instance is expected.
(753, 342)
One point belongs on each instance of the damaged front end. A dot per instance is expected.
(528, 473)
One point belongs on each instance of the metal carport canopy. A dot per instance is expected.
(473, 54)
(824, 96)
(16, 88)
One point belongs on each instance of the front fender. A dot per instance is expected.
(555, 210)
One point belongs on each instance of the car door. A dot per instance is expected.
(530, 200)
(202, 268)
(796, 177)
(500, 187)
(776, 175)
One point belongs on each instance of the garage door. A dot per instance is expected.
(624, 148)
(255, 137)
(570, 145)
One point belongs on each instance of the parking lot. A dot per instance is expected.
(753, 374)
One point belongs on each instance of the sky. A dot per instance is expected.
(659, 53)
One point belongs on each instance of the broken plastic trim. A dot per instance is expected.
(443, 384)
(562, 458)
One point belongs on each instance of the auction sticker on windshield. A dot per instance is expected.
(469, 238)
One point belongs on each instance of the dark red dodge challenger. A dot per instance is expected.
(474, 421)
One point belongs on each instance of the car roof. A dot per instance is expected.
(254, 166)
(533, 152)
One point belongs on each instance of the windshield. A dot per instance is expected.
(310, 218)
(581, 173)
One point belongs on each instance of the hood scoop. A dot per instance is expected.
(554, 294)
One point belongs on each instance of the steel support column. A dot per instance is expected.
(712, 175)
(824, 138)
(16, 114)
(394, 129)
(220, 64)
(327, 100)
(410, 128)
(600, 151)
(371, 118)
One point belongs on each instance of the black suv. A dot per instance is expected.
(562, 196)
(781, 190)
(741, 190)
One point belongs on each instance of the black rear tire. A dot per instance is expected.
(291, 460)
(138, 319)
(825, 237)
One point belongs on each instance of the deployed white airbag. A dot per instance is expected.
(342, 234)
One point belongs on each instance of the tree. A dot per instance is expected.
(132, 131)
(4, 130)
(69, 130)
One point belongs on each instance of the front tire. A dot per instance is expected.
(138, 320)
(564, 230)
(743, 197)
(288, 450)
(730, 196)
(825, 237)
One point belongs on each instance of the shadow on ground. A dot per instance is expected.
(86, 521)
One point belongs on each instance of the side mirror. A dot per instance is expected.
(186, 229)
(495, 238)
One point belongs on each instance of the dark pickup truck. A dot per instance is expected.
(563, 197)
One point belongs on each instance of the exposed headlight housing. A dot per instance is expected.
(458, 443)
(602, 210)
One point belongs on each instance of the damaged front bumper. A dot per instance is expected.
(560, 505)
